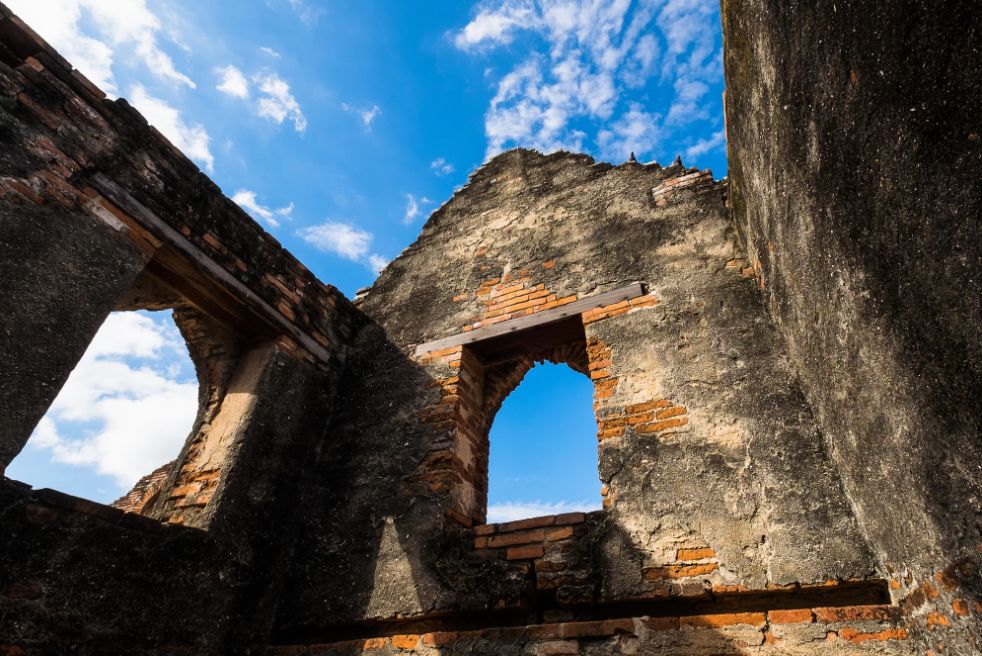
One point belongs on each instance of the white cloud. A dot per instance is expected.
(585, 55)
(122, 27)
(687, 106)
(277, 102)
(367, 115)
(307, 14)
(412, 209)
(191, 138)
(247, 200)
(377, 262)
(635, 131)
(266, 50)
(510, 511)
(136, 412)
(441, 167)
(232, 82)
(703, 146)
(496, 25)
(341, 239)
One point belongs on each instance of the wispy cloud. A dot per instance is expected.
(117, 28)
(308, 13)
(191, 138)
(276, 101)
(497, 25)
(571, 89)
(232, 82)
(345, 240)
(635, 131)
(266, 50)
(510, 511)
(376, 263)
(367, 115)
(247, 200)
(441, 167)
(703, 146)
(412, 209)
(136, 409)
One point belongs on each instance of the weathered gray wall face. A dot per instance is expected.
(748, 475)
(856, 160)
(77, 573)
(61, 273)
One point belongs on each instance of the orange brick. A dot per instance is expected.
(405, 641)
(663, 425)
(549, 264)
(937, 619)
(525, 524)
(670, 412)
(510, 539)
(662, 623)
(609, 433)
(440, 638)
(648, 405)
(560, 533)
(212, 241)
(854, 613)
(852, 635)
(723, 619)
(695, 553)
(566, 519)
(485, 529)
(460, 297)
(501, 291)
(678, 571)
(959, 607)
(791, 616)
(372, 644)
(527, 552)
(559, 647)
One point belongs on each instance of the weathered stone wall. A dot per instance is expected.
(706, 443)
(787, 428)
(855, 159)
(99, 212)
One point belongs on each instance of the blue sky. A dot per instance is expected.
(340, 126)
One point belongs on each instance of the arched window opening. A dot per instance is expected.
(124, 413)
(543, 447)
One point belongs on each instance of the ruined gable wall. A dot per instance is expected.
(855, 162)
(99, 212)
(706, 443)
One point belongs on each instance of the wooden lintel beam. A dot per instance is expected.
(537, 319)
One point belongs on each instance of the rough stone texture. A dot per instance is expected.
(746, 475)
(68, 273)
(787, 426)
(855, 159)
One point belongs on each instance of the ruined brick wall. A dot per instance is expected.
(719, 494)
(333, 490)
(99, 212)
(855, 158)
